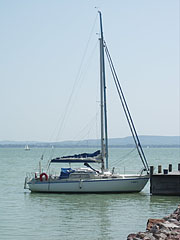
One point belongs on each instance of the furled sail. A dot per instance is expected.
(83, 157)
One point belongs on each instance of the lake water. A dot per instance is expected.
(25, 215)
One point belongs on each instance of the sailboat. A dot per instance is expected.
(88, 179)
(26, 148)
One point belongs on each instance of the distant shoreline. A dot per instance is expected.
(126, 142)
(85, 146)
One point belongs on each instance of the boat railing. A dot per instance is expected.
(127, 170)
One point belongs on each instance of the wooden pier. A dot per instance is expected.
(166, 182)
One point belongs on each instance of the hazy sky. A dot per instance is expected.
(49, 79)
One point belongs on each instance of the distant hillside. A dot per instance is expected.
(151, 141)
(148, 140)
(128, 141)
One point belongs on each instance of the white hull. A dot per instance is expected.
(120, 185)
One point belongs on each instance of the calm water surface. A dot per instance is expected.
(71, 216)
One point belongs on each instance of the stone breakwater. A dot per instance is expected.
(167, 228)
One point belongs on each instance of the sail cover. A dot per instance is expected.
(76, 158)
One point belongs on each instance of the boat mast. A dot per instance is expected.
(104, 142)
(101, 105)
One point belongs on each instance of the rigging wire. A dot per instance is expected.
(88, 125)
(75, 82)
(64, 115)
(82, 78)
(69, 106)
(61, 120)
(126, 110)
(124, 157)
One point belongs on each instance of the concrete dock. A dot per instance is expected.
(166, 182)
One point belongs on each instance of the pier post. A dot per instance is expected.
(178, 166)
(151, 170)
(170, 167)
(159, 169)
(151, 173)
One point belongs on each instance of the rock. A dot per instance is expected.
(169, 225)
(131, 236)
(167, 228)
(152, 221)
(141, 235)
(160, 236)
(149, 236)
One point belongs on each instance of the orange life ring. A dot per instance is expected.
(41, 176)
